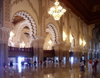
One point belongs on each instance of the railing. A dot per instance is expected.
(16, 49)
(50, 53)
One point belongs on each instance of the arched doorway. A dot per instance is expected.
(24, 32)
(50, 40)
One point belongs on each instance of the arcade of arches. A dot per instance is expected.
(35, 28)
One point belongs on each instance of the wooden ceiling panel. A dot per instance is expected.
(18, 19)
(88, 10)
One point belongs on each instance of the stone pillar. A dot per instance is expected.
(35, 45)
(67, 54)
(79, 24)
(1, 59)
(40, 28)
(93, 55)
(61, 51)
(4, 33)
(41, 42)
(57, 52)
(38, 50)
(90, 54)
(64, 49)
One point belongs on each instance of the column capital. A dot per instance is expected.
(56, 47)
(38, 43)
(35, 43)
(4, 35)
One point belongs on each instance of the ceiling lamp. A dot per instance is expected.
(57, 11)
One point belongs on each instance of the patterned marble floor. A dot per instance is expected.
(52, 71)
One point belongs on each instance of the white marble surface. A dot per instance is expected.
(51, 72)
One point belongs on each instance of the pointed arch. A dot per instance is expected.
(53, 31)
(30, 21)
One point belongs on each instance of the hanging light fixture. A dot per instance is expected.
(57, 11)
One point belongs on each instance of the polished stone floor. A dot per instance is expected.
(51, 71)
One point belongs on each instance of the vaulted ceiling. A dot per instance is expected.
(88, 10)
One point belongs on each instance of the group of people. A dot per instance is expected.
(93, 64)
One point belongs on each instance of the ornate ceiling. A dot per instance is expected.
(88, 10)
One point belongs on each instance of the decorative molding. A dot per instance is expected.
(7, 10)
(4, 36)
(54, 30)
(27, 17)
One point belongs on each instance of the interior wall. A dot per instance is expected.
(70, 22)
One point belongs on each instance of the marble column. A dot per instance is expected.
(41, 42)
(69, 25)
(57, 52)
(38, 50)
(93, 55)
(90, 54)
(67, 53)
(78, 36)
(4, 34)
(1, 60)
(35, 46)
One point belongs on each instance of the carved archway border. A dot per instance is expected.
(54, 32)
(29, 18)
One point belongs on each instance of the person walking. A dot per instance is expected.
(90, 65)
(11, 64)
(22, 63)
(35, 64)
(82, 66)
(95, 64)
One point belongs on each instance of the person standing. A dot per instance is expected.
(95, 64)
(90, 65)
(22, 63)
(11, 64)
(82, 64)
(35, 64)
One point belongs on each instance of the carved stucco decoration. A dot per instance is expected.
(54, 32)
(27, 17)
(7, 10)
(5, 35)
